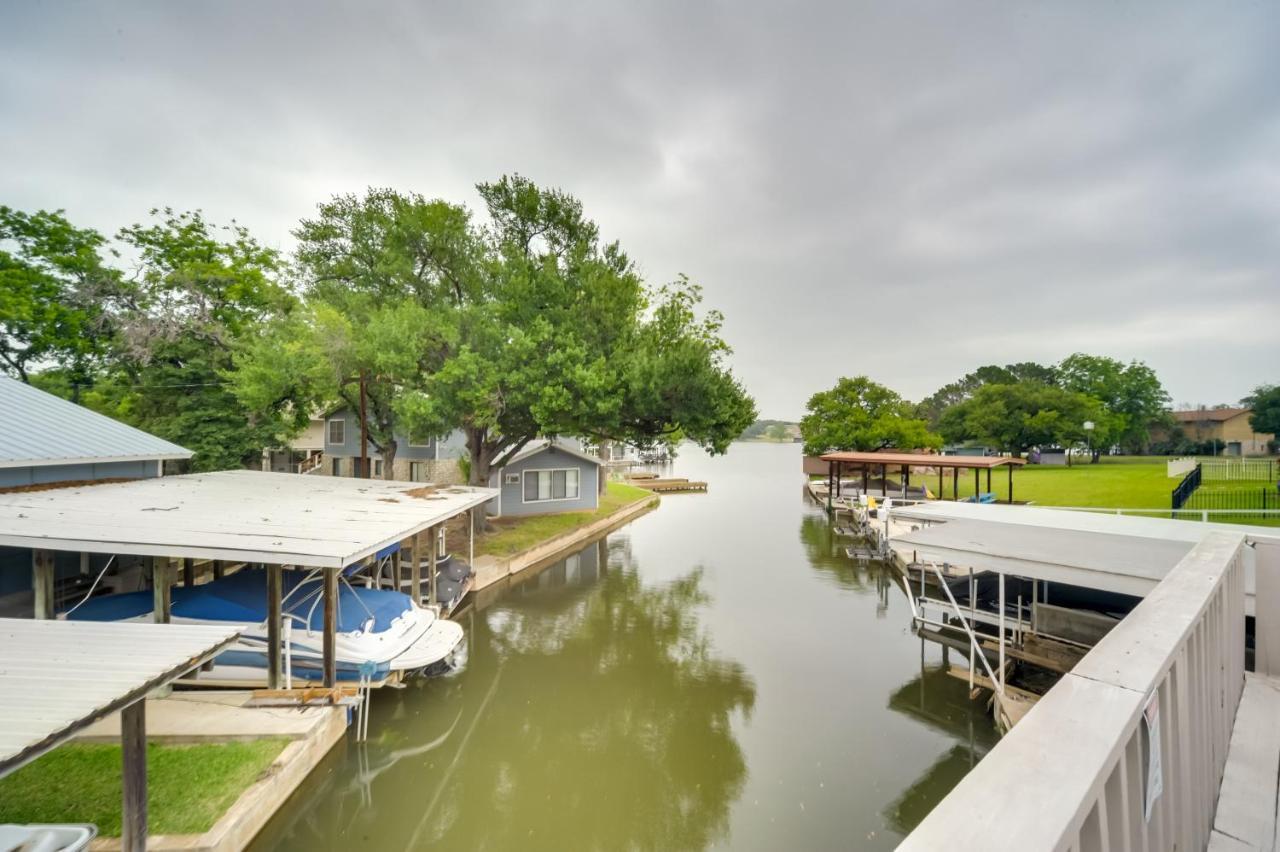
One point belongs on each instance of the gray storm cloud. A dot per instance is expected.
(907, 190)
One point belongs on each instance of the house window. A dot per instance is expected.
(418, 472)
(541, 485)
(420, 440)
(337, 431)
(377, 468)
(337, 467)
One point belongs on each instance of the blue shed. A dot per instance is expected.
(546, 477)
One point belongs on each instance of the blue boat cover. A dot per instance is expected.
(242, 597)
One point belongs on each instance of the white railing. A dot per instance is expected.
(1260, 470)
(1079, 771)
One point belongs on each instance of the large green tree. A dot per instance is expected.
(1265, 402)
(931, 408)
(859, 414)
(387, 277)
(1016, 417)
(56, 294)
(1131, 395)
(200, 289)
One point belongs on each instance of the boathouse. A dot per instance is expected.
(544, 477)
(45, 440)
(211, 522)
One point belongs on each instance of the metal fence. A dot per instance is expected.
(1128, 750)
(1239, 470)
(1237, 504)
(1187, 487)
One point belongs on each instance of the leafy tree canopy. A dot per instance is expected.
(932, 407)
(1016, 417)
(1131, 395)
(859, 414)
(56, 291)
(1265, 402)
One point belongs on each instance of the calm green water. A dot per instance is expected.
(715, 675)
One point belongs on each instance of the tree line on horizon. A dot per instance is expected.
(1084, 401)
(521, 325)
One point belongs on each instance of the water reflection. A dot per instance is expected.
(939, 701)
(593, 713)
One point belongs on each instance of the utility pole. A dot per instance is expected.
(364, 428)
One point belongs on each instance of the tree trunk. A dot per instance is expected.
(481, 456)
(389, 459)
(604, 452)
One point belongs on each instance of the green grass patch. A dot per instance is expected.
(188, 786)
(509, 536)
(1135, 482)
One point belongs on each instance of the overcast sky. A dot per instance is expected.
(907, 190)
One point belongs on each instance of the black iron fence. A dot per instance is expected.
(1239, 499)
(1187, 487)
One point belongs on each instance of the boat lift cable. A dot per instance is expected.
(964, 622)
(96, 581)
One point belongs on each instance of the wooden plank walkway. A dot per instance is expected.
(663, 485)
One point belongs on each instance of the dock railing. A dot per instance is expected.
(1127, 751)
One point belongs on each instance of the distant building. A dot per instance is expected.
(419, 458)
(547, 477)
(1228, 428)
(46, 440)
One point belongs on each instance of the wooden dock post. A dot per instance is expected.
(161, 580)
(219, 569)
(415, 569)
(42, 573)
(330, 627)
(133, 750)
(188, 572)
(432, 554)
(274, 669)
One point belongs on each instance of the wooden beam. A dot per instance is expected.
(432, 554)
(188, 572)
(1010, 483)
(161, 581)
(274, 652)
(42, 573)
(415, 569)
(133, 743)
(330, 627)
(395, 571)
(219, 569)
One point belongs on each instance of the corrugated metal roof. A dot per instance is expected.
(56, 677)
(239, 515)
(38, 428)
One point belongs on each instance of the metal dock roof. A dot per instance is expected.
(38, 428)
(239, 515)
(56, 677)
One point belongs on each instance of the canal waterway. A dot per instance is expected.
(715, 675)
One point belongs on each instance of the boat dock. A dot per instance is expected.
(1156, 734)
(658, 484)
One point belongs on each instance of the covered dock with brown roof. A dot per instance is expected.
(839, 462)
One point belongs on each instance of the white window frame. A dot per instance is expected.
(550, 470)
(328, 430)
(377, 468)
(409, 440)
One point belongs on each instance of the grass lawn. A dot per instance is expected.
(188, 786)
(1119, 482)
(512, 535)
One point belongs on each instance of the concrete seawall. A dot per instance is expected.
(491, 570)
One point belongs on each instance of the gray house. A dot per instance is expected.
(546, 477)
(418, 458)
(46, 440)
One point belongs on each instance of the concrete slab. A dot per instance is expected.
(217, 715)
